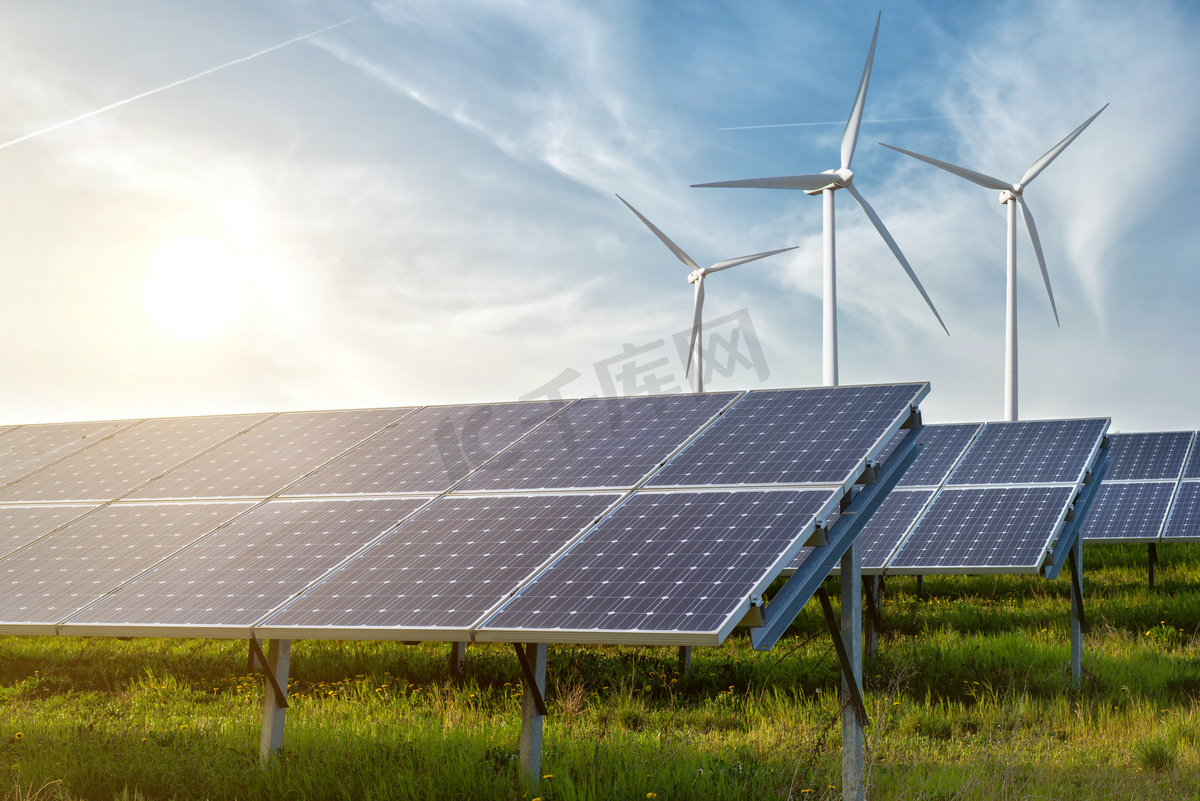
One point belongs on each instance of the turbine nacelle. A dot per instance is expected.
(840, 180)
(1009, 195)
(697, 275)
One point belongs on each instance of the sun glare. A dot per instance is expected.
(194, 289)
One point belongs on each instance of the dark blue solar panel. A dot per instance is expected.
(666, 562)
(985, 530)
(1030, 452)
(1184, 522)
(429, 450)
(941, 447)
(1193, 466)
(447, 566)
(600, 443)
(889, 524)
(795, 436)
(1128, 512)
(1143, 457)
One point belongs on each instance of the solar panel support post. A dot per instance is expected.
(685, 659)
(458, 659)
(1151, 562)
(873, 589)
(276, 664)
(1077, 623)
(854, 715)
(533, 710)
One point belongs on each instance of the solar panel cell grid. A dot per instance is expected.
(30, 447)
(21, 525)
(1030, 452)
(1129, 512)
(238, 574)
(1193, 465)
(1184, 522)
(79, 563)
(888, 525)
(115, 465)
(1147, 456)
(665, 562)
(428, 451)
(942, 445)
(447, 566)
(990, 529)
(600, 443)
(801, 436)
(270, 456)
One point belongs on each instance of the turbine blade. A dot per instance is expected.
(961, 172)
(697, 317)
(679, 254)
(725, 265)
(1045, 160)
(850, 135)
(806, 183)
(1034, 240)
(891, 243)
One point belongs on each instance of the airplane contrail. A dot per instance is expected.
(842, 122)
(182, 81)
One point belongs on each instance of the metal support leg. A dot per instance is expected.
(852, 726)
(279, 658)
(1153, 562)
(458, 659)
(1078, 623)
(533, 711)
(685, 659)
(920, 584)
(873, 589)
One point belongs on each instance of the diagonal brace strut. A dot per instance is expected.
(856, 699)
(256, 653)
(530, 682)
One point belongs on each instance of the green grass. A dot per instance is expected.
(970, 699)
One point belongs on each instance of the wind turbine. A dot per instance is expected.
(696, 276)
(825, 184)
(1011, 195)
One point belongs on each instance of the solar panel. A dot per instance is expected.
(942, 445)
(5, 429)
(1030, 452)
(115, 465)
(29, 447)
(1184, 521)
(1193, 466)
(988, 530)
(235, 576)
(1128, 512)
(21, 525)
(270, 456)
(1147, 456)
(441, 571)
(429, 450)
(664, 567)
(887, 527)
(601, 443)
(795, 436)
(45, 582)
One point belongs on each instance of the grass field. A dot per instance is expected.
(970, 698)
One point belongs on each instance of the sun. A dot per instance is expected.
(194, 288)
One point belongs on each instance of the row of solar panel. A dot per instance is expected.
(605, 443)
(666, 565)
(1151, 492)
(982, 497)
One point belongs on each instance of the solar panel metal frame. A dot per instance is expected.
(846, 483)
(1162, 524)
(264, 630)
(211, 631)
(1091, 459)
(1174, 503)
(1089, 465)
(121, 425)
(649, 637)
(1178, 483)
(458, 488)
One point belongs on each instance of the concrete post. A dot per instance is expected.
(279, 658)
(531, 719)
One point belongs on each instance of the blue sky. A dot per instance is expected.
(418, 206)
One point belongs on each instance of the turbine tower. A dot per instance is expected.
(696, 276)
(1011, 195)
(825, 184)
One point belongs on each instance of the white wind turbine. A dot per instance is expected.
(825, 184)
(1011, 196)
(696, 276)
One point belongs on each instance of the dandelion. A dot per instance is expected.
(19, 736)
(651, 795)
(184, 726)
(548, 776)
(647, 688)
(145, 740)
